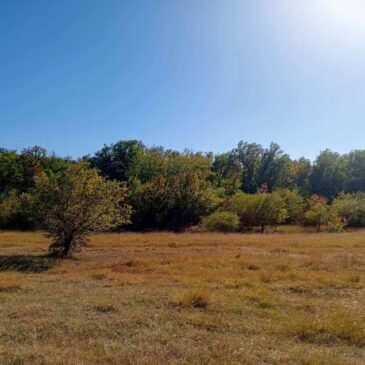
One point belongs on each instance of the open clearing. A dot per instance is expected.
(156, 298)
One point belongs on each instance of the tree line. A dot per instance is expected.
(247, 187)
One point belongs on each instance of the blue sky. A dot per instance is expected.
(202, 74)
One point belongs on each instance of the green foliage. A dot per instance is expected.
(72, 204)
(328, 176)
(129, 160)
(335, 223)
(351, 207)
(8, 207)
(318, 212)
(355, 171)
(120, 161)
(302, 169)
(242, 204)
(221, 221)
(294, 205)
(14, 212)
(275, 169)
(258, 210)
(157, 181)
(249, 157)
(270, 209)
(173, 202)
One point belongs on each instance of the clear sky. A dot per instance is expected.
(203, 74)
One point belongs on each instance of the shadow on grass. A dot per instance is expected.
(27, 263)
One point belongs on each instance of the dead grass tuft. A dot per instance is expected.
(339, 327)
(192, 298)
(134, 265)
(105, 308)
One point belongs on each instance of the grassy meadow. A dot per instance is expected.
(191, 298)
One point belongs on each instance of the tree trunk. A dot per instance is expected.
(67, 248)
(263, 228)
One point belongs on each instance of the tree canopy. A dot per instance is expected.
(169, 189)
(71, 204)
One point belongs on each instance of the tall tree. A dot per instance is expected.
(275, 169)
(249, 156)
(355, 171)
(119, 161)
(329, 174)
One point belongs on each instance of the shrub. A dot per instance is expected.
(351, 207)
(335, 223)
(192, 298)
(258, 210)
(221, 222)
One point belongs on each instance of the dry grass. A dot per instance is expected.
(160, 298)
(192, 298)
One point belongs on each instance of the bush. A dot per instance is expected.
(14, 212)
(257, 210)
(336, 223)
(221, 222)
(192, 298)
(351, 207)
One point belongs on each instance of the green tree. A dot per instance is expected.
(318, 212)
(249, 156)
(270, 209)
(119, 161)
(14, 211)
(10, 171)
(172, 202)
(275, 169)
(351, 207)
(74, 203)
(355, 171)
(227, 172)
(294, 205)
(329, 174)
(302, 170)
(243, 205)
(257, 210)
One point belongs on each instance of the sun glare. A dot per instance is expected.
(347, 14)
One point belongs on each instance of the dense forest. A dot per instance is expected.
(249, 186)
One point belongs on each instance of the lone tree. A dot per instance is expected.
(74, 203)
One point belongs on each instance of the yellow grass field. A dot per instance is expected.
(192, 298)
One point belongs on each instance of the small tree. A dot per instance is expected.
(318, 212)
(244, 206)
(72, 204)
(270, 210)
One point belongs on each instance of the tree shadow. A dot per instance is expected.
(27, 263)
